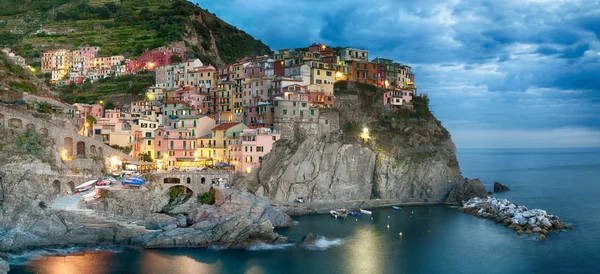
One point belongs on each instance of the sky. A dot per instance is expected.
(510, 73)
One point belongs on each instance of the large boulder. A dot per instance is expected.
(157, 221)
(256, 209)
(498, 187)
(3, 267)
(470, 188)
(309, 239)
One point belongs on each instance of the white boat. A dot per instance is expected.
(340, 213)
(366, 212)
(85, 186)
(91, 196)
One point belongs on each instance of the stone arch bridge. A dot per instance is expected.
(197, 181)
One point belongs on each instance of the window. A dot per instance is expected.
(246, 149)
(260, 149)
(250, 149)
(312, 112)
(318, 72)
(303, 105)
(328, 73)
(284, 111)
(248, 159)
(149, 142)
(319, 81)
(260, 159)
(171, 144)
(171, 153)
(158, 143)
(326, 122)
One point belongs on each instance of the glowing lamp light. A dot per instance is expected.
(338, 74)
(365, 134)
(248, 169)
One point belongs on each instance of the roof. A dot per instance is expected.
(226, 126)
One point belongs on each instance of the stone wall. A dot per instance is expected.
(325, 124)
(66, 141)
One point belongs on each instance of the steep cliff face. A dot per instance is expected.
(408, 156)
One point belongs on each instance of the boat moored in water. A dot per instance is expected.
(340, 213)
(396, 207)
(363, 211)
(354, 213)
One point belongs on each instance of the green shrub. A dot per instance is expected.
(207, 198)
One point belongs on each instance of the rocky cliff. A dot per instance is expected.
(407, 155)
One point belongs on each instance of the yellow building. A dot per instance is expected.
(216, 145)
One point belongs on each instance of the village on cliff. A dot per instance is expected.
(197, 116)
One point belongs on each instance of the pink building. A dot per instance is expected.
(95, 110)
(151, 59)
(254, 69)
(173, 146)
(397, 98)
(254, 145)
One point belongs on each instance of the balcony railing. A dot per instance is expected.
(180, 137)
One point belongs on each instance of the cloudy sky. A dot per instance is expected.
(512, 73)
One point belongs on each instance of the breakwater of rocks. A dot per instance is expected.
(519, 218)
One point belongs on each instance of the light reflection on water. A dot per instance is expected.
(154, 262)
(364, 252)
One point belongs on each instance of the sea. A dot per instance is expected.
(419, 239)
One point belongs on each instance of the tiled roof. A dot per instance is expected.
(226, 126)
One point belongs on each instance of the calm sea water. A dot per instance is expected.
(435, 239)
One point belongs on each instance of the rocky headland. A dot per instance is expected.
(519, 218)
(406, 155)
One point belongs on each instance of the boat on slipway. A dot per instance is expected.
(85, 186)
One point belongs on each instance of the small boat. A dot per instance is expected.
(92, 196)
(340, 213)
(354, 213)
(134, 181)
(105, 182)
(397, 207)
(366, 212)
(85, 186)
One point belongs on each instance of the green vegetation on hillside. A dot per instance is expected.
(126, 27)
(130, 86)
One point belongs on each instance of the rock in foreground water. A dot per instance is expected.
(498, 187)
(519, 218)
(3, 267)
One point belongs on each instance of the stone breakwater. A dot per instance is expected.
(519, 218)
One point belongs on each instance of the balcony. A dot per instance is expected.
(180, 137)
(181, 148)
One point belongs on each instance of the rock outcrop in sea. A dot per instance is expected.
(519, 218)
(498, 187)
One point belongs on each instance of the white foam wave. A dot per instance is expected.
(263, 246)
(324, 243)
